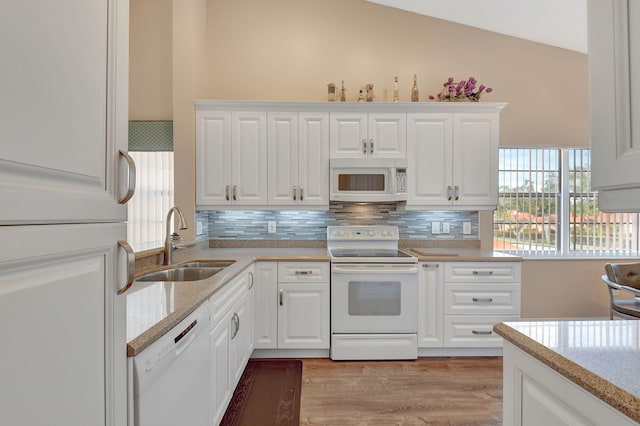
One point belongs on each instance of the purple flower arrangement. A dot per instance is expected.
(465, 90)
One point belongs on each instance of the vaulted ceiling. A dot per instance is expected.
(560, 23)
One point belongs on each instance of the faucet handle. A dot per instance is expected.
(175, 237)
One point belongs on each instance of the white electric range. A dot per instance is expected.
(374, 294)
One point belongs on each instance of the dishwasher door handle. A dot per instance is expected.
(185, 338)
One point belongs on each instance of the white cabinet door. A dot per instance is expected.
(63, 111)
(430, 153)
(249, 158)
(430, 329)
(220, 376)
(387, 135)
(282, 130)
(348, 137)
(475, 156)
(614, 59)
(360, 135)
(266, 305)
(313, 159)
(240, 330)
(303, 317)
(62, 326)
(453, 160)
(213, 157)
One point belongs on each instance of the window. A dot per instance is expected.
(546, 207)
(151, 147)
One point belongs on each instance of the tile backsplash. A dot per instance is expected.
(312, 225)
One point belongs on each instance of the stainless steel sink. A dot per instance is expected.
(181, 274)
(207, 264)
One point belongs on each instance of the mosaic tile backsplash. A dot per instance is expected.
(312, 225)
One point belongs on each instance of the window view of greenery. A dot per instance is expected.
(546, 206)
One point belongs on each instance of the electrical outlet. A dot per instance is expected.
(435, 227)
(199, 227)
(271, 226)
(466, 228)
(446, 227)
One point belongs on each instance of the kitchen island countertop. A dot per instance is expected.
(600, 356)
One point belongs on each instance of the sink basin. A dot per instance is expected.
(180, 274)
(207, 264)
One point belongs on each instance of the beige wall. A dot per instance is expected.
(291, 49)
(150, 60)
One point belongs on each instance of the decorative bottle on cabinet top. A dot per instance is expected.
(415, 96)
(396, 97)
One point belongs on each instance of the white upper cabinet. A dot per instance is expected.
(453, 160)
(614, 58)
(374, 135)
(231, 158)
(63, 112)
(298, 149)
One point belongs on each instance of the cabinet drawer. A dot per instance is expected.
(486, 299)
(295, 272)
(482, 272)
(222, 301)
(473, 331)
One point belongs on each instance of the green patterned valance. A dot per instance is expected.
(151, 135)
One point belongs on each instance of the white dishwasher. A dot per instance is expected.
(171, 376)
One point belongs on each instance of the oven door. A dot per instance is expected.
(374, 298)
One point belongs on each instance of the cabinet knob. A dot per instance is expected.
(295, 191)
(449, 196)
(235, 190)
(280, 298)
(364, 146)
(226, 192)
(301, 193)
(456, 193)
(370, 146)
(131, 178)
(482, 332)
(482, 300)
(483, 273)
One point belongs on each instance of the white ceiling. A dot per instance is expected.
(560, 23)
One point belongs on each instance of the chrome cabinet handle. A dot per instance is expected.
(449, 193)
(250, 280)
(482, 332)
(280, 298)
(235, 321)
(226, 192)
(131, 265)
(370, 146)
(456, 192)
(482, 300)
(295, 191)
(364, 146)
(303, 272)
(131, 181)
(301, 193)
(483, 273)
(235, 190)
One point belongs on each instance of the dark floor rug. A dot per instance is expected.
(268, 394)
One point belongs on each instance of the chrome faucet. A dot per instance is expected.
(169, 246)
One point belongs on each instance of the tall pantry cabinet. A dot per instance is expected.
(64, 180)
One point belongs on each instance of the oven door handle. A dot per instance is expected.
(374, 268)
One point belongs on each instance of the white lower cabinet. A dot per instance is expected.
(460, 302)
(534, 394)
(430, 331)
(292, 305)
(231, 339)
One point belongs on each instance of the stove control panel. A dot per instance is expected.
(362, 233)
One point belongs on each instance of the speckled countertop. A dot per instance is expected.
(602, 357)
(459, 255)
(153, 308)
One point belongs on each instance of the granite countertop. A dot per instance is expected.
(154, 308)
(460, 255)
(602, 356)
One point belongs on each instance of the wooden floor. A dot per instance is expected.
(429, 391)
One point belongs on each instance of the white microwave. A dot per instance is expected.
(368, 179)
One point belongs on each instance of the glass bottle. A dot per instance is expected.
(415, 96)
(343, 93)
(396, 96)
(361, 96)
